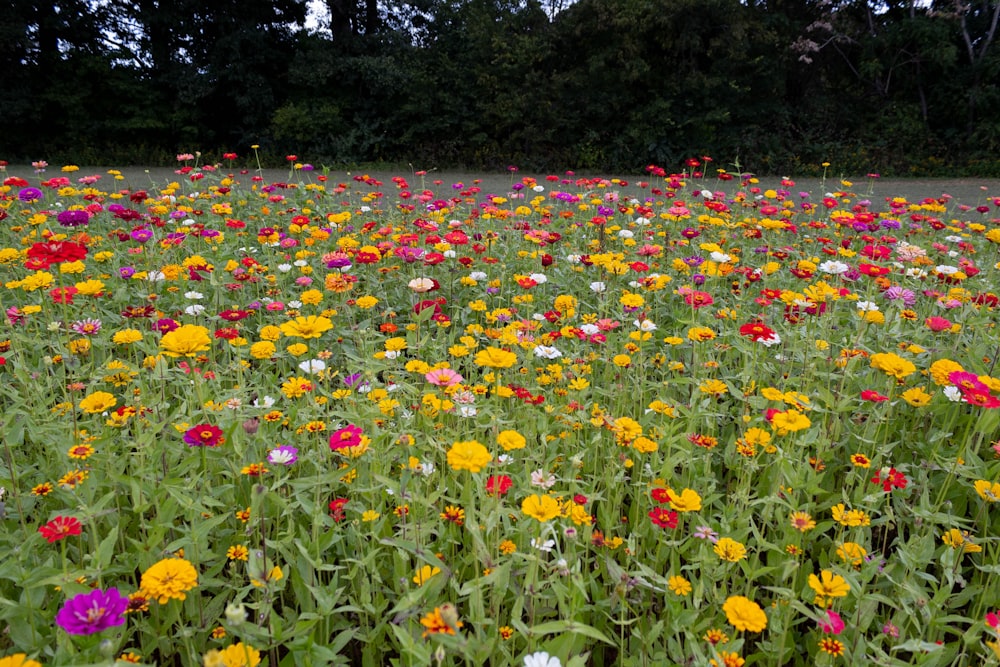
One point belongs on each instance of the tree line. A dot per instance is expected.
(775, 86)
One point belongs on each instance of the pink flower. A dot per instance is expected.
(937, 324)
(349, 436)
(443, 377)
(993, 619)
(833, 624)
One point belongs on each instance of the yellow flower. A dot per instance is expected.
(852, 552)
(941, 369)
(789, 421)
(988, 491)
(312, 326)
(366, 302)
(262, 350)
(828, 585)
(126, 337)
(543, 508)
(713, 387)
(730, 550)
(744, 614)
(700, 334)
(239, 655)
(679, 585)
(468, 455)
(98, 402)
(424, 574)
(916, 397)
(687, 500)
(852, 518)
(494, 357)
(892, 365)
(18, 660)
(958, 539)
(169, 579)
(802, 521)
(185, 341)
(511, 440)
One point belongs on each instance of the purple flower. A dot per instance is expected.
(87, 327)
(92, 612)
(706, 533)
(141, 235)
(126, 272)
(28, 195)
(74, 218)
(165, 324)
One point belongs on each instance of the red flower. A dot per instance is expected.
(660, 495)
(756, 331)
(874, 396)
(337, 509)
(663, 518)
(59, 528)
(498, 485)
(890, 479)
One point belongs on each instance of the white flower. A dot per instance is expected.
(539, 278)
(867, 306)
(426, 469)
(300, 263)
(313, 366)
(720, 257)
(953, 238)
(598, 287)
(945, 269)
(573, 259)
(284, 268)
(543, 545)
(467, 410)
(505, 459)
(645, 325)
(707, 194)
(541, 659)
(547, 352)
(539, 188)
(589, 329)
(365, 209)
(155, 276)
(265, 402)
(294, 304)
(450, 254)
(194, 296)
(542, 479)
(773, 339)
(196, 309)
(626, 234)
(391, 354)
(953, 393)
(478, 276)
(914, 272)
(834, 268)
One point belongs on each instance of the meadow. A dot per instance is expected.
(681, 418)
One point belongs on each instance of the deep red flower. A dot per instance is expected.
(660, 495)
(60, 528)
(756, 331)
(204, 435)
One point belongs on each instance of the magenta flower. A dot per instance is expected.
(832, 624)
(92, 612)
(349, 436)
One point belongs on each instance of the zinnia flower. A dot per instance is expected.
(92, 612)
(312, 326)
(185, 341)
(828, 585)
(98, 402)
(744, 614)
(237, 655)
(204, 435)
(542, 508)
(18, 660)
(169, 578)
(59, 528)
(468, 455)
(494, 357)
(892, 364)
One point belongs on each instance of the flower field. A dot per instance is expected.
(674, 420)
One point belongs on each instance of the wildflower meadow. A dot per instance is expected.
(672, 419)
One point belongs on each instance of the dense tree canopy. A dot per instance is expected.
(897, 85)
